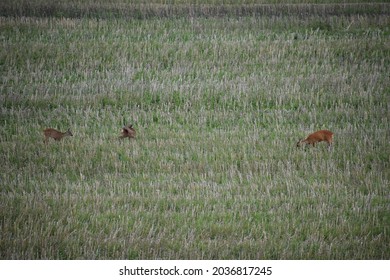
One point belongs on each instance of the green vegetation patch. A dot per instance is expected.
(219, 100)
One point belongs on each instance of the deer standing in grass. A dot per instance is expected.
(55, 134)
(316, 137)
(128, 132)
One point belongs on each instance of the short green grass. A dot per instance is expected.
(218, 102)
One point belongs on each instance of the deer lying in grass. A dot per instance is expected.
(316, 137)
(128, 132)
(55, 134)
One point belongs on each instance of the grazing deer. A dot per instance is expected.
(318, 136)
(55, 134)
(128, 132)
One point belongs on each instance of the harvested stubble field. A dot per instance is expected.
(219, 93)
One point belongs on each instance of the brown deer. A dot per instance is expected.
(55, 134)
(128, 132)
(316, 137)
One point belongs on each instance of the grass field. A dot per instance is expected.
(219, 93)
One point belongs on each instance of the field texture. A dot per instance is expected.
(219, 93)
